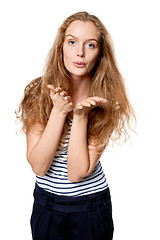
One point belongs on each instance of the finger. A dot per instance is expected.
(103, 100)
(98, 99)
(51, 87)
(102, 104)
(92, 102)
(58, 90)
(78, 106)
(67, 98)
(86, 104)
(63, 93)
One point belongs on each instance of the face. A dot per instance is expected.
(81, 48)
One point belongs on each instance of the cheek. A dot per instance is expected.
(93, 54)
(94, 59)
(65, 55)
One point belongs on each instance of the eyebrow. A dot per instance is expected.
(91, 39)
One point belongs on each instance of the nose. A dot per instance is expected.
(80, 51)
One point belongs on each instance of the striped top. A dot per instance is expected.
(56, 178)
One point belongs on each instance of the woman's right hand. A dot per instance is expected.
(61, 100)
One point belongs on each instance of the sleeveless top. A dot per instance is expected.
(56, 178)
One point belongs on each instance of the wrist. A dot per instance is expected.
(80, 116)
(58, 113)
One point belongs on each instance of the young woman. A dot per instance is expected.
(69, 115)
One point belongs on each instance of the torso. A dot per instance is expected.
(56, 178)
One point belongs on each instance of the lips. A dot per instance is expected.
(80, 64)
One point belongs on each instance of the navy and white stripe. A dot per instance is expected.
(56, 178)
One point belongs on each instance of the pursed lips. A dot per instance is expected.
(79, 64)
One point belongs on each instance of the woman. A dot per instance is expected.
(69, 115)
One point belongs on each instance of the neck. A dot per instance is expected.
(79, 88)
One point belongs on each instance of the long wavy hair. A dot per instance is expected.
(104, 123)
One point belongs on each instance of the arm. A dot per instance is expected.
(81, 157)
(41, 148)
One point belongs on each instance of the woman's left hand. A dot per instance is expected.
(89, 103)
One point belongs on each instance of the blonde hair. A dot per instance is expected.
(105, 123)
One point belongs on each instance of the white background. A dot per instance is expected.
(27, 31)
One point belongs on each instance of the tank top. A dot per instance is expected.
(56, 178)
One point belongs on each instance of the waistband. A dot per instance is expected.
(56, 202)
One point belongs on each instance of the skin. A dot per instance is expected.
(81, 44)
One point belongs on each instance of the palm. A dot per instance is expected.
(87, 104)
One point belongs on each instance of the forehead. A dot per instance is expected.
(80, 29)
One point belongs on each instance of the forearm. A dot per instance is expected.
(43, 152)
(78, 156)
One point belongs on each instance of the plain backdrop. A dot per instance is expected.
(28, 29)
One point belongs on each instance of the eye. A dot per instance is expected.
(72, 42)
(90, 45)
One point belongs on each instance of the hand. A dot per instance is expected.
(61, 101)
(89, 103)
